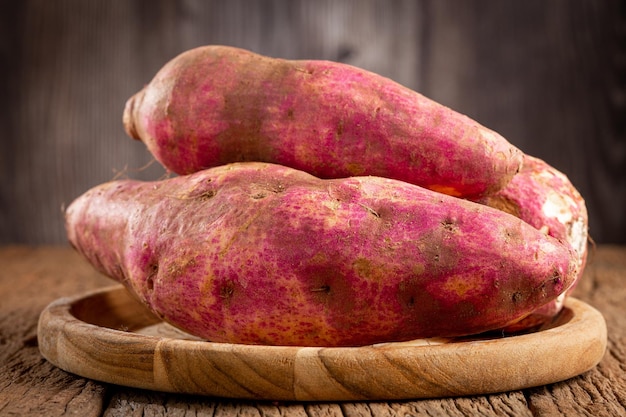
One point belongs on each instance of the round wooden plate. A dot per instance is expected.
(109, 336)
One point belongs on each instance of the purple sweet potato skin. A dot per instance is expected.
(545, 198)
(214, 105)
(259, 253)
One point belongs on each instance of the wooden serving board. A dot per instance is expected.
(109, 336)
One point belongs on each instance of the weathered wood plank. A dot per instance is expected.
(29, 385)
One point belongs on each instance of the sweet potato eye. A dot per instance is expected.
(153, 270)
(322, 289)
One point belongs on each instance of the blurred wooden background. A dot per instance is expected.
(548, 75)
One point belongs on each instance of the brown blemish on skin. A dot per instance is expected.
(512, 235)
(503, 204)
(200, 192)
(367, 269)
(340, 127)
(441, 257)
(206, 195)
(418, 269)
(554, 280)
(355, 168)
(277, 188)
(319, 258)
(363, 267)
(370, 210)
(458, 285)
(449, 225)
(177, 267)
(303, 70)
(411, 295)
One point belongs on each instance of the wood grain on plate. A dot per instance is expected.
(108, 336)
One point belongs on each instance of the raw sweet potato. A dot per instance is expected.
(264, 254)
(215, 104)
(546, 199)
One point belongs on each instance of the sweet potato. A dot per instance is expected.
(214, 105)
(545, 198)
(264, 254)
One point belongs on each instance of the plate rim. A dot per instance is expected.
(198, 367)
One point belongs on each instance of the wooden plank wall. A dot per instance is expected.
(548, 75)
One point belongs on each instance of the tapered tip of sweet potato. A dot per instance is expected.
(128, 118)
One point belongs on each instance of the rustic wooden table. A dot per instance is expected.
(32, 277)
